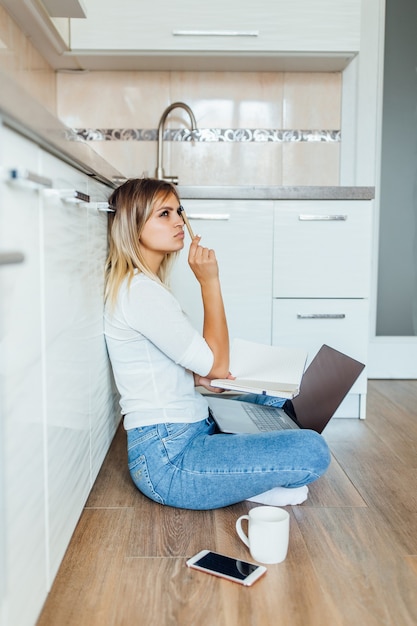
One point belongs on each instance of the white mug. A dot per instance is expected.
(268, 533)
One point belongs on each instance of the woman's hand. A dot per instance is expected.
(203, 381)
(202, 261)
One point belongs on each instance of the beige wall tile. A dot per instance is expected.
(199, 163)
(231, 99)
(28, 68)
(8, 57)
(312, 163)
(4, 26)
(112, 99)
(312, 101)
(227, 163)
(138, 99)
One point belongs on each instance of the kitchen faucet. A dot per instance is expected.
(159, 168)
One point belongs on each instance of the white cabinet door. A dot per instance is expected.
(21, 389)
(66, 284)
(267, 26)
(241, 234)
(322, 249)
(322, 265)
(57, 398)
(104, 410)
(342, 324)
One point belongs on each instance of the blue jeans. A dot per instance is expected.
(193, 466)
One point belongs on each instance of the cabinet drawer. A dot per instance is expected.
(342, 324)
(322, 249)
(299, 25)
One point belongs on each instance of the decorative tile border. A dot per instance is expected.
(206, 135)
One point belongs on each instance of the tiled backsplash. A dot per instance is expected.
(23, 62)
(206, 134)
(254, 128)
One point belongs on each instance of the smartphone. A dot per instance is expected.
(235, 570)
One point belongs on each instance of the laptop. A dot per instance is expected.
(325, 383)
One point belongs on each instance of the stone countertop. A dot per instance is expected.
(23, 113)
(249, 192)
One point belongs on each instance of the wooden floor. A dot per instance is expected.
(353, 545)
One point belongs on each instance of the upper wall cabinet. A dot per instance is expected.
(249, 35)
(264, 25)
(264, 30)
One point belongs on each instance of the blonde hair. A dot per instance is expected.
(132, 205)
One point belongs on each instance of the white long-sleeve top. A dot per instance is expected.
(154, 351)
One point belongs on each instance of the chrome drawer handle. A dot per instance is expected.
(10, 258)
(322, 218)
(73, 196)
(105, 207)
(321, 316)
(215, 33)
(209, 216)
(25, 176)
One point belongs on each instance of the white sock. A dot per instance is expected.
(282, 496)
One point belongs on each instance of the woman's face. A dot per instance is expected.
(163, 232)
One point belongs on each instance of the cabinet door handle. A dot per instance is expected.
(215, 33)
(321, 316)
(72, 196)
(105, 207)
(30, 178)
(322, 218)
(10, 258)
(209, 216)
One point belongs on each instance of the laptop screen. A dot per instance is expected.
(325, 383)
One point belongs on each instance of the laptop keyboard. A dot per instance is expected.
(265, 418)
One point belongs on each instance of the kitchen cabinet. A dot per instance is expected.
(58, 401)
(21, 388)
(299, 25)
(80, 420)
(177, 33)
(65, 275)
(267, 35)
(241, 233)
(322, 268)
(293, 272)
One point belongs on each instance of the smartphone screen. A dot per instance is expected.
(227, 567)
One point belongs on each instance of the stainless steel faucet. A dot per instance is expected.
(159, 173)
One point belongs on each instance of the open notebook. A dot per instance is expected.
(263, 369)
(326, 381)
